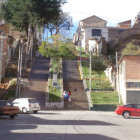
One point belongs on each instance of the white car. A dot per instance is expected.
(27, 105)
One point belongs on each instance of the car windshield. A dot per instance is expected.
(33, 101)
(130, 105)
(4, 103)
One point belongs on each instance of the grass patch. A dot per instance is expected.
(55, 65)
(54, 92)
(105, 98)
(85, 67)
(104, 83)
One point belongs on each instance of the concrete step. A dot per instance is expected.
(71, 105)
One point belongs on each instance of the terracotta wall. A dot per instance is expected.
(132, 67)
(5, 28)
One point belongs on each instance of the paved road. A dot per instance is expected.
(69, 125)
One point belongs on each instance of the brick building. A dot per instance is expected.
(8, 43)
(129, 79)
(125, 24)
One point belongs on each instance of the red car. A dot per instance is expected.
(128, 110)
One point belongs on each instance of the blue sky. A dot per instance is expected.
(113, 11)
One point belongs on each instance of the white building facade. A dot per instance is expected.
(90, 30)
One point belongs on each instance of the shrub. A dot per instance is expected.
(13, 82)
(105, 85)
(131, 49)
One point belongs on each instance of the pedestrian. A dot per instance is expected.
(69, 93)
(66, 96)
(75, 90)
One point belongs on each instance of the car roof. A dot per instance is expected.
(25, 98)
(132, 104)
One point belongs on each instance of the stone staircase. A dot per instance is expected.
(73, 82)
(38, 81)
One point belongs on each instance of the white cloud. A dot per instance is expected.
(110, 10)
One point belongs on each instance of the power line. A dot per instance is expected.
(86, 13)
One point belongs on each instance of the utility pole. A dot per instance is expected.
(20, 69)
(32, 38)
(1, 59)
(18, 73)
(2, 36)
(117, 78)
(80, 55)
(90, 73)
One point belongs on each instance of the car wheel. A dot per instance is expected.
(24, 110)
(35, 111)
(126, 115)
(12, 116)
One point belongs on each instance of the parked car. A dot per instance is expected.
(27, 105)
(6, 108)
(128, 110)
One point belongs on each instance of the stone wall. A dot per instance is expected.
(114, 33)
(129, 33)
(55, 105)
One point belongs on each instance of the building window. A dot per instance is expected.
(138, 106)
(96, 32)
(129, 105)
(120, 31)
(133, 84)
(128, 85)
(136, 85)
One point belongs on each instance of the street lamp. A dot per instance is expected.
(90, 72)
(117, 76)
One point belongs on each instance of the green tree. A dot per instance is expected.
(64, 21)
(58, 47)
(98, 65)
(131, 49)
(25, 15)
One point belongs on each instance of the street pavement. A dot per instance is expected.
(69, 125)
